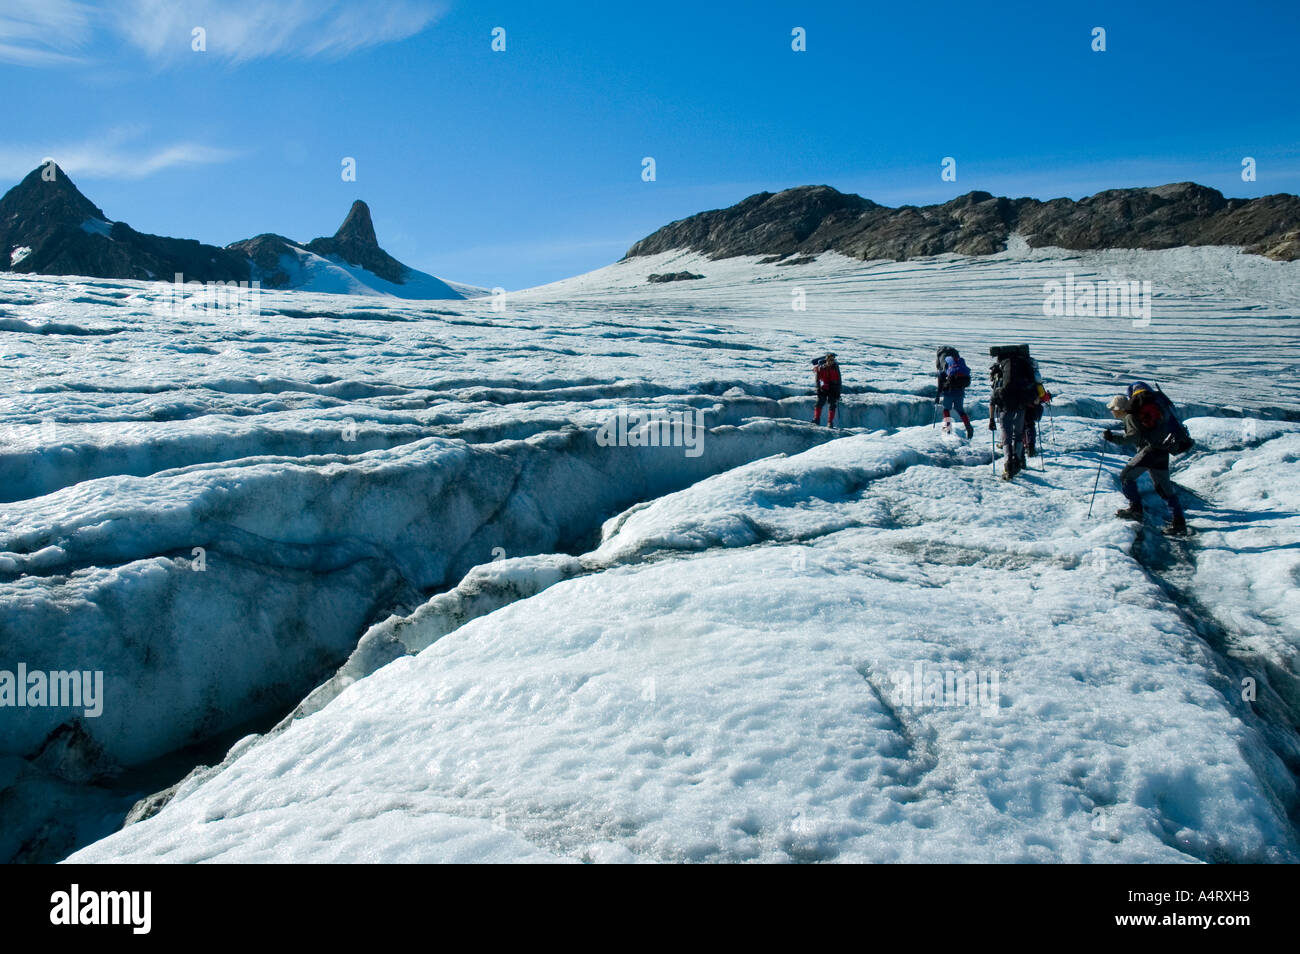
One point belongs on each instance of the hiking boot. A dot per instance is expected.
(1130, 513)
(1031, 451)
(970, 432)
(947, 427)
(1177, 526)
(1007, 473)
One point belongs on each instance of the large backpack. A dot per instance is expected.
(1014, 383)
(959, 377)
(942, 355)
(1157, 420)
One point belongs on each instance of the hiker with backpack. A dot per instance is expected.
(1034, 412)
(1014, 390)
(1150, 424)
(828, 388)
(954, 379)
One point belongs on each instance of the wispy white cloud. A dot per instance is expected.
(44, 32)
(56, 32)
(113, 155)
(242, 30)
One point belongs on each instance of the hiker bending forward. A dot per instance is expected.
(1141, 432)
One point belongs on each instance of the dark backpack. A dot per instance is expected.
(1013, 381)
(1157, 420)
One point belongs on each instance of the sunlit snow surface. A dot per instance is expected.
(310, 272)
(718, 673)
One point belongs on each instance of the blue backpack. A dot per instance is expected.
(958, 375)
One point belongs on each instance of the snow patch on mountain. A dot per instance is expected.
(310, 272)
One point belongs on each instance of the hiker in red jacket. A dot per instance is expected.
(828, 388)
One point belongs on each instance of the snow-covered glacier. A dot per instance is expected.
(376, 570)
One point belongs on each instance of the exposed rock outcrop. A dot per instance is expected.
(809, 220)
(65, 233)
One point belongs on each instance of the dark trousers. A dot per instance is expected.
(1156, 463)
(1033, 414)
(1013, 433)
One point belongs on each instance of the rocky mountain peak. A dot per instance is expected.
(48, 227)
(46, 197)
(357, 228)
(356, 244)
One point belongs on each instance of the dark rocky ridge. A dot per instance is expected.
(810, 220)
(50, 217)
(264, 252)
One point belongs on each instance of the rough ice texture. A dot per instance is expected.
(503, 640)
(740, 700)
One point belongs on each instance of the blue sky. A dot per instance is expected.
(524, 166)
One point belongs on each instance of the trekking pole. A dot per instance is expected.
(934, 419)
(993, 444)
(1097, 482)
(1051, 437)
(1041, 433)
